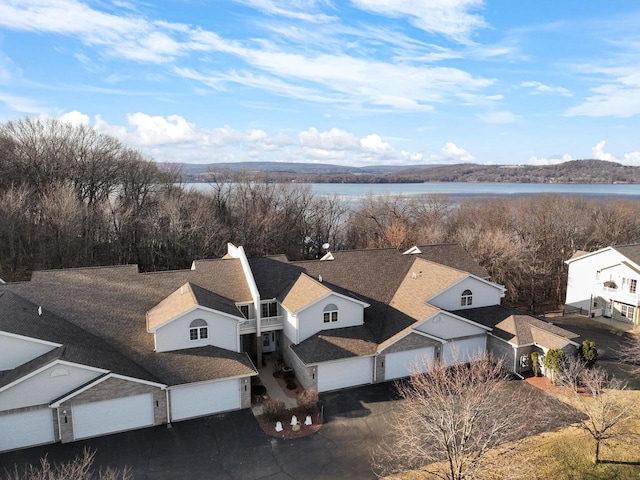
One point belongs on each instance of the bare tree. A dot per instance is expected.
(454, 415)
(79, 468)
(602, 401)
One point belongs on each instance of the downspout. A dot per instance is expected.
(168, 410)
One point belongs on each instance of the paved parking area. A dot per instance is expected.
(232, 446)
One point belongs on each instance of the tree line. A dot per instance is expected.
(70, 196)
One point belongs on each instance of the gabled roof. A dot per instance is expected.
(517, 328)
(184, 299)
(336, 344)
(111, 303)
(424, 280)
(20, 316)
(632, 252)
(31, 366)
(303, 292)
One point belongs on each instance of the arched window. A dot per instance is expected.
(330, 313)
(198, 330)
(466, 299)
(59, 372)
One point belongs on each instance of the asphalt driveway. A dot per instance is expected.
(232, 445)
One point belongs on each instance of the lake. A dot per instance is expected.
(460, 190)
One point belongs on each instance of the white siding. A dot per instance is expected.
(582, 279)
(403, 364)
(461, 351)
(205, 399)
(42, 387)
(345, 373)
(223, 332)
(484, 295)
(291, 326)
(310, 321)
(110, 416)
(443, 325)
(24, 429)
(16, 351)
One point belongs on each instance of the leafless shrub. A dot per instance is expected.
(78, 469)
(274, 409)
(454, 415)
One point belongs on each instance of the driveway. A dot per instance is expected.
(609, 342)
(232, 446)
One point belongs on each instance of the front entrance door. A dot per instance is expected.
(269, 342)
(607, 309)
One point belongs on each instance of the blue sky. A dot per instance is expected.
(351, 82)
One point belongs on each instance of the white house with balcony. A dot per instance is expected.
(605, 282)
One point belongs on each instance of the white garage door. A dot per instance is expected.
(403, 364)
(110, 416)
(461, 351)
(345, 373)
(205, 399)
(24, 429)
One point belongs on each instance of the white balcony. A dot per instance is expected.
(272, 323)
(267, 324)
(618, 294)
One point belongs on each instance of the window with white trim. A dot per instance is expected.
(466, 298)
(244, 310)
(630, 284)
(330, 313)
(269, 309)
(627, 311)
(198, 330)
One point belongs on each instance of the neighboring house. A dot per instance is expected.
(605, 282)
(514, 335)
(92, 351)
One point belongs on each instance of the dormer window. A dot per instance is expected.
(466, 299)
(198, 330)
(330, 313)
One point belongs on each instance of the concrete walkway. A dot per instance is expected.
(274, 390)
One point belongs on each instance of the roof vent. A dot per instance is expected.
(320, 278)
(40, 310)
(182, 290)
(414, 275)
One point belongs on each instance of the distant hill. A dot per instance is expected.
(575, 171)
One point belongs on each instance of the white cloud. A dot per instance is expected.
(538, 88)
(632, 158)
(22, 104)
(174, 139)
(611, 100)
(533, 160)
(598, 153)
(295, 9)
(451, 18)
(75, 118)
(503, 116)
(451, 153)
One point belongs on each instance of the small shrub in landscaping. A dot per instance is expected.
(292, 385)
(274, 410)
(308, 400)
(535, 363)
(588, 353)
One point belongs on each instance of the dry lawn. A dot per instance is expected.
(563, 454)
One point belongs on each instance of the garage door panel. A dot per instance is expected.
(461, 351)
(24, 429)
(205, 399)
(111, 416)
(403, 364)
(345, 373)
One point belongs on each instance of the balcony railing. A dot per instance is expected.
(619, 295)
(271, 322)
(249, 325)
(267, 323)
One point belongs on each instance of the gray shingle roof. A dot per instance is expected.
(516, 327)
(111, 303)
(632, 252)
(20, 317)
(336, 344)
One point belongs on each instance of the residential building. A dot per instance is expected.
(93, 351)
(605, 282)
